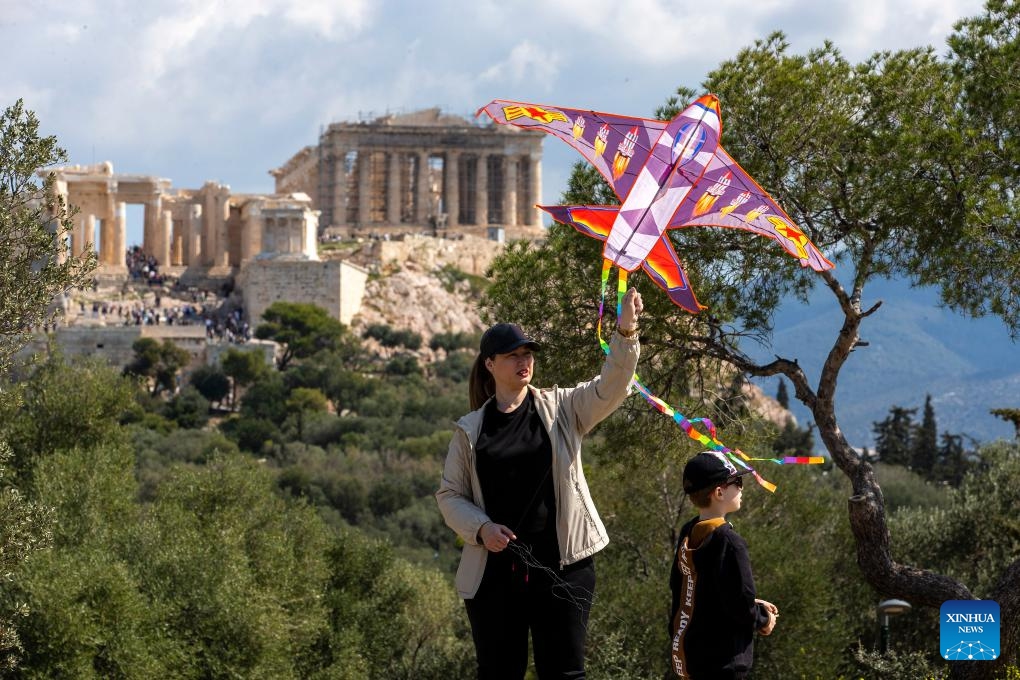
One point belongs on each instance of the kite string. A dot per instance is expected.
(572, 593)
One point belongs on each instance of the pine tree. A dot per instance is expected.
(952, 461)
(781, 395)
(924, 447)
(1010, 415)
(894, 436)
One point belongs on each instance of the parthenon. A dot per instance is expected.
(423, 171)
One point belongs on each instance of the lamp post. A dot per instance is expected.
(887, 608)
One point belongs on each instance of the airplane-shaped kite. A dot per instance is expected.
(668, 175)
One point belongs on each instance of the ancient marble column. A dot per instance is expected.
(89, 233)
(107, 242)
(510, 191)
(393, 193)
(364, 187)
(177, 242)
(534, 215)
(109, 256)
(77, 235)
(482, 191)
(150, 235)
(451, 193)
(215, 208)
(251, 232)
(338, 186)
(195, 226)
(421, 189)
(163, 237)
(120, 233)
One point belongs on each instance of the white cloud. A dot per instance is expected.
(526, 62)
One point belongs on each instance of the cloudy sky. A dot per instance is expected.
(194, 90)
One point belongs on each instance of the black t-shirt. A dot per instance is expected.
(513, 457)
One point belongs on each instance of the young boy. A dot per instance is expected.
(715, 612)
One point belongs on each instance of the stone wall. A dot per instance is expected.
(336, 286)
(113, 343)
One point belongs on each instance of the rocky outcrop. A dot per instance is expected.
(417, 300)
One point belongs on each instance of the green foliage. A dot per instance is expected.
(302, 402)
(25, 527)
(894, 436)
(34, 229)
(156, 453)
(450, 276)
(266, 399)
(793, 441)
(402, 364)
(406, 622)
(456, 367)
(976, 536)
(243, 368)
(188, 408)
(782, 396)
(64, 405)
(981, 263)
(454, 341)
(895, 665)
(211, 382)
(1010, 415)
(904, 488)
(236, 570)
(158, 363)
(252, 433)
(924, 447)
(389, 337)
(303, 329)
(86, 614)
(901, 441)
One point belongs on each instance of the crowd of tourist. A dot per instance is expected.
(166, 304)
(143, 267)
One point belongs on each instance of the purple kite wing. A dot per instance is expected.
(617, 146)
(726, 196)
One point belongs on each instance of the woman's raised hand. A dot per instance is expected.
(631, 308)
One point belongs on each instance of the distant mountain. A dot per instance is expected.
(969, 366)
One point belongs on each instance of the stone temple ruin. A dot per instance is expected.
(379, 182)
(209, 230)
(423, 171)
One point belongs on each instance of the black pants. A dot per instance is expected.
(514, 599)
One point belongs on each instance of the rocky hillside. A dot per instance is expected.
(425, 302)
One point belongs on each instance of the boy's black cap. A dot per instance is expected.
(504, 338)
(708, 469)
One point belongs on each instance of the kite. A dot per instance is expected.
(667, 175)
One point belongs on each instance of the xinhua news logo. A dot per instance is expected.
(969, 630)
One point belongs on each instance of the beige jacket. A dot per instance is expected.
(568, 414)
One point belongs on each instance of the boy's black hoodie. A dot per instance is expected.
(719, 642)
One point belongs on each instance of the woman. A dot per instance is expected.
(514, 491)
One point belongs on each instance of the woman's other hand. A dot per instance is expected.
(495, 537)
